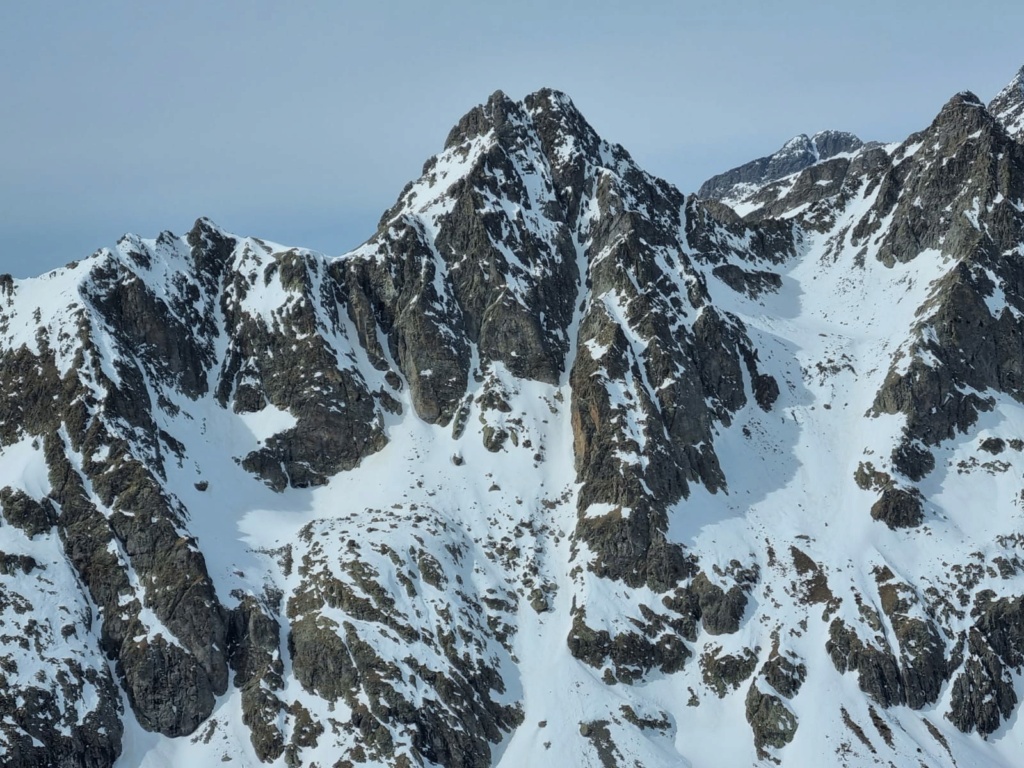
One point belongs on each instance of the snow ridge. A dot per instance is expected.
(559, 467)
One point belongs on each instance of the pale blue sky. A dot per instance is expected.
(301, 122)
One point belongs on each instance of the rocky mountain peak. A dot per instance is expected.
(555, 445)
(491, 115)
(958, 144)
(542, 134)
(211, 247)
(828, 144)
(549, 112)
(1008, 106)
(798, 153)
(961, 107)
(963, 128)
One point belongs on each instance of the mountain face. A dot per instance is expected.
(795, 155)
(1008, 106)
(561, 467)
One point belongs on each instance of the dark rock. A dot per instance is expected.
(750, 282)
(1001, 622)
(725, 673)
(983, 694)
(1008, 106)
(144, 323)
(462, 718)
(784, 675)
(878, 671)
(797, 154)
(39, 730)
(774, 724)
(12, 564)
(629, 550)
(993, 445)
(253, 646)
(966, 161)
(171, 686)
(766, 391)
(22, 511)
(631, 654)
(923, 656)
(494, 438)
(720, 611)
(899, 508)
(168, 691)
(600, 736)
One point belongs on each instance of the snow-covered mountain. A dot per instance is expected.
(795, 155)
(561, 467)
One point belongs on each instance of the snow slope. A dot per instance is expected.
(558, 468)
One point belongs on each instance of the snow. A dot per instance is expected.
(829, 336)
(22, 465)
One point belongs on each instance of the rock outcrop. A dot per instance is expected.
(557, 446)
(795, 155)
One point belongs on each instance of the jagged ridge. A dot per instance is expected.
(554, 431)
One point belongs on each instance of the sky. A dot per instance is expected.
(301, 122)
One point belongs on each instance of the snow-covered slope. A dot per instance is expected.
(559, 468)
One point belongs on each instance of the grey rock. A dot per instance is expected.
(783, 674)
(631, 654)
(254, 652)
(463, 717)
(40, 731)
(983, 694)
(774, 724)
(24, 512)
(877, 668)
(899, 508)
(721, 611)
(724, 673)
(751, 282)
(795, 155)
(1008, 106)
(923, 652)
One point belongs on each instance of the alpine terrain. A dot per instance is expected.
(560, 468)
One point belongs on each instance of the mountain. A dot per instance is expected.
(795, 155)
(561, 467)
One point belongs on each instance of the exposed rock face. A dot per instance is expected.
(39, 727)
(725, 672)
(174, 684)
(899, 508)
(345, 663)
(922, 648)
(462, 259)
(983, 692)
(254, 645)
(962, 346)
(1008, 106)
(795, 155)
(22, 511)
(556, 440)
(773, 723)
